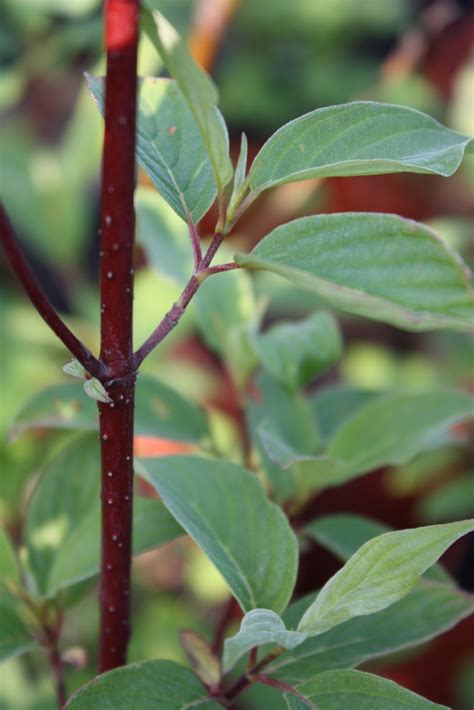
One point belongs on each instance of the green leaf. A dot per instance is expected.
(277, 409)
(62, 406)
(79, 556)
(225, 510)
(258, 627)
(389, 430)
(382, 571)
(294, 353)
(449, 502)
(96, 390)
(198, 90)
(66, 492)
(379, 266)
(9, 569)
(202, 658)
(239, 186)
(75, 369)
(226, 313)
(344, 533)
(159, 411)
(359, 138)
(336, 403)
(163, 236)
(169, 146)
(147, 685)
(14, 636)
(163, 412)
(339, 690)
(402, 625)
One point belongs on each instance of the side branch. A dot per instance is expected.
(40, 301)
(170, 321)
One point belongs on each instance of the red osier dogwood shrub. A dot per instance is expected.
(379, 266)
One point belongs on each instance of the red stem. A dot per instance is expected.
(284, 687)
(116, 292)
(40, 301)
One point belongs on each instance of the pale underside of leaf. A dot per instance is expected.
(258, 627)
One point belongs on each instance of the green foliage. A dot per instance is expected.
(147, 685)
(360, 138)
(225, 510)
(14, 635)
(197, 89)
(396, 628)
(259, 627)
(294, 353)
(226, 315)
(66, 492)
(291, 437)
(337, 690)
(159, 411)
(388, 430)
(78, 558)
(379, 266)
(163, 236)
(169, 146)
(382, 571)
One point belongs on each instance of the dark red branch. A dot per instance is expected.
(39, 299)
(116, 292)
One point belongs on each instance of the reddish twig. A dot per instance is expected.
(195, 243)
(170, 321)
(223, 623)
(116, 292)
(40, 301)
(219, 268)
(284, 687)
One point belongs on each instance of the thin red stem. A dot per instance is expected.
(219, 268)
(40, 301)
(116, 292)
(212, 249)
(284, 687)
(170, 321)
(195, 243)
